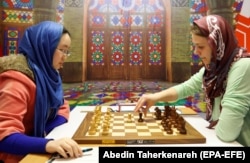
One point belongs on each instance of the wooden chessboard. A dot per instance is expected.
(124, 131)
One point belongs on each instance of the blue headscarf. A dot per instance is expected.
(38, 45)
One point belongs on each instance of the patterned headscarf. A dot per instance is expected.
(225, 51)
(38, 45)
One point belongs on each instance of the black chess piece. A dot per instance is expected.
(158, 115)
(140, 117)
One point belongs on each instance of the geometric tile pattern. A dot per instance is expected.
(11, 38)
(74, 3)
(129, 14)
(117, 48)
(154, 48)
(97, 47)
(17, 16)
(110, 93)
(60, 11)
(18, 4)
(135, 48)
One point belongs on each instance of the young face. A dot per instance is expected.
(202, 48)
(62, 51)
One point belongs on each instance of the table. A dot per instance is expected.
(79, 112)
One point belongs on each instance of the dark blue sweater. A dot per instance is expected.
(20, 144)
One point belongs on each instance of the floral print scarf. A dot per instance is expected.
(225, 51)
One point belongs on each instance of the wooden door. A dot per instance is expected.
(118, 58)
(127, 51)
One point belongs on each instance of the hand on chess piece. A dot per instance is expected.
(144, 103)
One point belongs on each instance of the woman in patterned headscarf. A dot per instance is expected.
(31, 94)
(224, 80)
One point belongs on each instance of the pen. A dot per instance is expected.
(83, 150)
(87, 150)
(56, 155)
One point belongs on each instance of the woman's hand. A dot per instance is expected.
(144, 103)
(148, 100)
(66, 147)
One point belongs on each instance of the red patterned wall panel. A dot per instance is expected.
(242, 31)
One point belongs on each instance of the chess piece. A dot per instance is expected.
(105, 129)
(92, 129)
(158, 113)
(129, 118)
(183, 131)
(169, 131)
(140, 117)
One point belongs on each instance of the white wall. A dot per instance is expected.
(245, 11)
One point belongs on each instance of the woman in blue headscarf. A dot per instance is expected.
(31, 94)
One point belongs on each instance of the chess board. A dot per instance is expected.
(125, 130)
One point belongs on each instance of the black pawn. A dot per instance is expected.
(140, 117)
